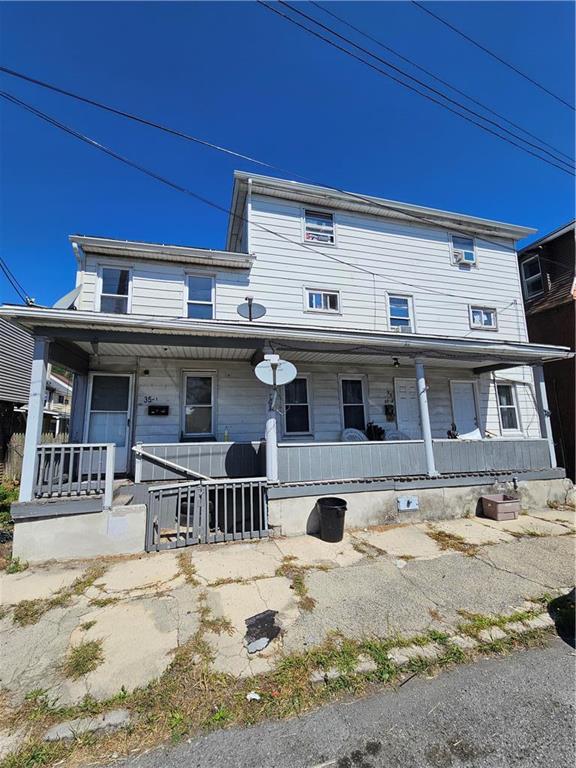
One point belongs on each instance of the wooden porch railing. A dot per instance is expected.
(75, 469)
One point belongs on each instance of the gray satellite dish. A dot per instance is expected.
(251, 311)
(67, 302)
(275, 374)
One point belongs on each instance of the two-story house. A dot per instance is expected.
(548, 272)
(415, 384)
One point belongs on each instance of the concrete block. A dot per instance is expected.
(428, 652)
(464, 642)
(317, 677)
(544, 621)
(72, 728)
(491, 635)
(365, 665)
(398, 657)
(517, 627)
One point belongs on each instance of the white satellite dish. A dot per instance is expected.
(67, 301)
(275, 373)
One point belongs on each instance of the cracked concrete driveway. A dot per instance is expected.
(375, 583)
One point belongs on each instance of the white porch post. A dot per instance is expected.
(271, 442)
(34, 418)
(543, 411)
(425, 417)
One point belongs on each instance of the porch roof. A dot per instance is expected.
(80, 331)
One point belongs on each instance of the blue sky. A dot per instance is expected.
(240, 76)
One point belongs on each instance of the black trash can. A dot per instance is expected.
(332, 512)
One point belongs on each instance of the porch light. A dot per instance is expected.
(395, 362)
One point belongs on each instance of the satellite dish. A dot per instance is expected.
(251, 311)
(275, 374)
(67, 302)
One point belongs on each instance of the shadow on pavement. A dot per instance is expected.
(562, 611)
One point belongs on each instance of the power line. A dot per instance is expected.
(437, 78)
(178, 187)
(492, 54)
(416, 80)
(14, 282)
(227, 150)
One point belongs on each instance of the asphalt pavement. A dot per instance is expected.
(516, 711)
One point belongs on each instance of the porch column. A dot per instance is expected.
(271, 442)
(34, 418)
(425, 417)
(543, 411)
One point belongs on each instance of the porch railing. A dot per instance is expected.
(212, 460)
(302, 462)
(75, 469)
(206, 511)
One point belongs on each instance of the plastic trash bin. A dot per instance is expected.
(332, 513)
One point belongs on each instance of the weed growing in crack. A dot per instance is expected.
(297, 577)
(452, 541)
(188, 569)
(83, 659)
(16, 565)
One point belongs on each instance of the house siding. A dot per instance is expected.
(241, 399)
(16, 347)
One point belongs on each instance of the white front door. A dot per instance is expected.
(109, 410)
(464, 406)
(407, 410)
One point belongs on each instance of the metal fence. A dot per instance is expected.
(74, 469)
(206, 511)
(214, 460)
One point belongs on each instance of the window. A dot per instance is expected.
(319, 227)
(115, 290)
(198, 404)
(322, 301)
(353, 414)
(463, 251)
(483, 317)
(61, 400)
(200, 297)
(400, 314)
(507, 407)
(297, 407)
(532, 277)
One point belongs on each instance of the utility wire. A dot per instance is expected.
(178, 187)
(492, 54)
(564, 167)
(438, 79)
(203, 142)
(14, 282)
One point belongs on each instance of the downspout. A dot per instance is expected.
(248, 216)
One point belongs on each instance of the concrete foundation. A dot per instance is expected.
(298, 514)
(119, 531)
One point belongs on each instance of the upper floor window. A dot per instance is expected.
(115, 290)
(400, 314)
(483, 317)
(507, 407)
(297, 407)
(200, 297)
(322, 301)
(532, 277)
(319, 227)
(463, 250)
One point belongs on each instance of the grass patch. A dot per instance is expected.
(476, 622)
(102, 602)
(452, 541)
(83, 659)
(30, 611)
(15, 565)
(87, 625)
(8, 494)
(188, 569)
(296, 574)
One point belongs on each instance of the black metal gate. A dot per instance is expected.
(206, 511)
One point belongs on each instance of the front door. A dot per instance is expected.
(407, 409)
(464, 406)
(108, 414)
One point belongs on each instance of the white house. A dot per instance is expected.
(396, 316)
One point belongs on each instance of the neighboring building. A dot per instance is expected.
(548, 271)
(398, 318)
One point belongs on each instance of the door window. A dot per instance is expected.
(109, 404)
(198, 404)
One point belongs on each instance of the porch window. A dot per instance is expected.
(319, 227)
(483, 317)
(508, 407)
(400, 314)
(200, 297)
(115, 290)
(353, 414)
(198, 404)
(532, 277)
(322, 301)
(297, 407)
